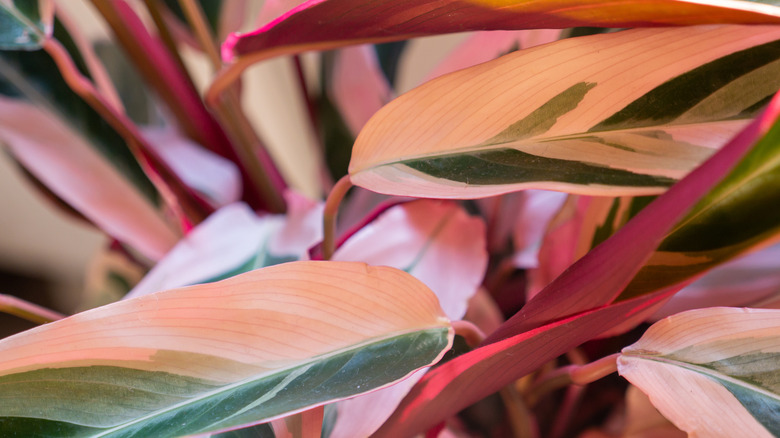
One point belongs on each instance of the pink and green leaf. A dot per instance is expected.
(626, 113)
(583, 290)
(329, 24)
(712, 372)
(222, 355)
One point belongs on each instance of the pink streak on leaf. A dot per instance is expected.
(321, 25)
(359, 88)
(437, 242)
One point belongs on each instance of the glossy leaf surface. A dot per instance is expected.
(25, 24)
(210, 357)
(328, 24)
(713, 372)
(624, 113)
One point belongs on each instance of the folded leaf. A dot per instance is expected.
(25, 24)
(712, 372)
(212, 357)
(563, 117)
(328, 24)
(215, 177)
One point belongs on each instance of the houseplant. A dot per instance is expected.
(255, 309)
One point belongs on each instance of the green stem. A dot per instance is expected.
(329, 215)
(27, 310)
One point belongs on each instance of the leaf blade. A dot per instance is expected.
(581, 115)
(349, 22)
(727, 353)
(225, 341)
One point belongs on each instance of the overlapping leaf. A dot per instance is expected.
(713, 372)
(753, 281)
(63, 160)
(584, 289)
(735, 217)
(235, 240)
(25, 24)
(439, 244)
(33, 77)
(625, 113)
(327, 24)
(217, 356)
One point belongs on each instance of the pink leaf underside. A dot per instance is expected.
(359, 88)
(273, 9)
(214, 177)
(328, 24)
(484, 46)
(229, 238)
(565, 241)
(537, 209)
(747, 281)
(69, 167)
(438, 243)
(474, 375)
(592, 282)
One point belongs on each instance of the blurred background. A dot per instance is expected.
(46, 255)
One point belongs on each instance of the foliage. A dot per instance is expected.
(584, 168)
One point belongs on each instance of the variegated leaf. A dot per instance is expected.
(625, 113)
(212, 357)
(739, 215)
(25, 24)
(713, 372)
